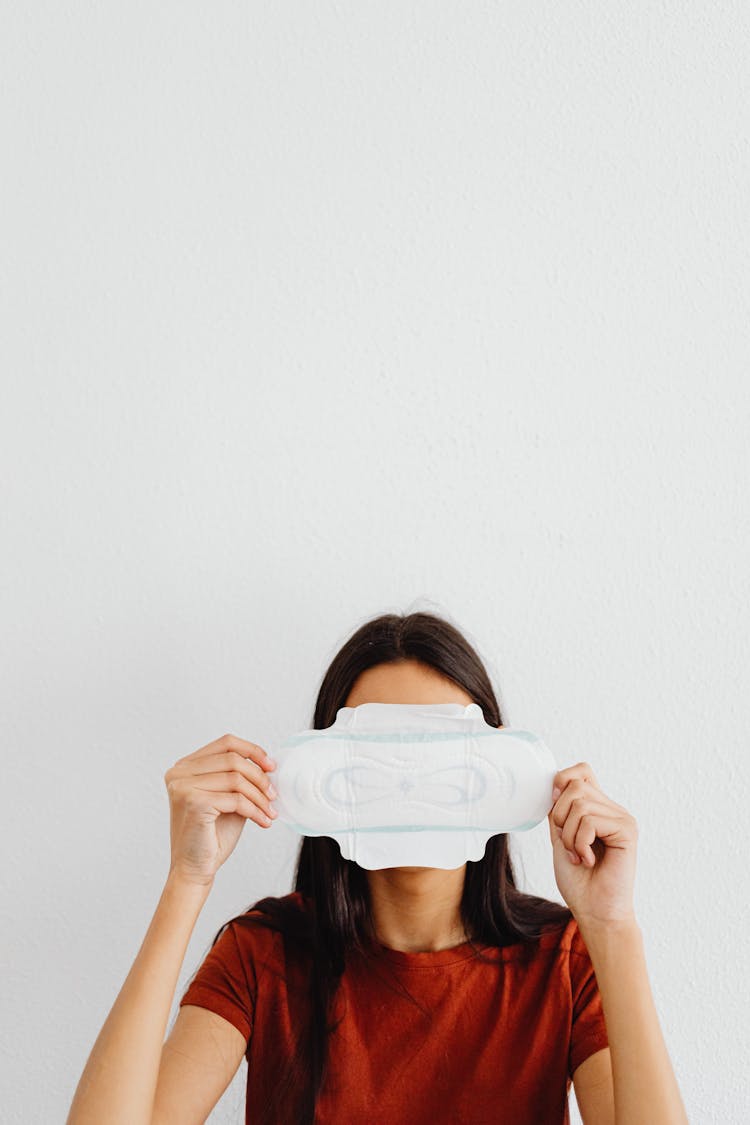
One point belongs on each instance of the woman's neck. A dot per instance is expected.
(417, 909)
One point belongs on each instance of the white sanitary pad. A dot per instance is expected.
(404, 784)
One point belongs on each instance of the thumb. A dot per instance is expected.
(554, 832)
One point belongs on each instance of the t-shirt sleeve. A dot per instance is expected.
(589, 1031)
(221, 984)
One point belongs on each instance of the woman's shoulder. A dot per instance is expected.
(273, 940)
(562, 949)
(265, 924)
(560, 935)
(270, 905)
(556, 940)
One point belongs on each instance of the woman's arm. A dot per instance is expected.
(118, 1084)
(644, 1083)
(596, 879)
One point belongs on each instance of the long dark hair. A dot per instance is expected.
(337, 914)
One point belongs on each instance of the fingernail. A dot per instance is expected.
(572, 856)
(556, 793)
(271, 761)
(272, 792)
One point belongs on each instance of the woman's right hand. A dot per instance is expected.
(212, 792)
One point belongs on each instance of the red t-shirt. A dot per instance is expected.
(485, 1044)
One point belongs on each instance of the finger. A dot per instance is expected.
(239, 803)
(235, 782)
(585, 825)
(582, 771)
(232, 742)
(575, 805)
(577, 790)
(564, 814)
(221, 763)
(584, 840)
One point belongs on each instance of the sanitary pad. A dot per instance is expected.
(412, 785)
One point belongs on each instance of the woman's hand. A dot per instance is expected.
(212, 792)
(598, 886)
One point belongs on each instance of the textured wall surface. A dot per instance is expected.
(314, 311)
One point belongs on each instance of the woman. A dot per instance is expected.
(397, 996)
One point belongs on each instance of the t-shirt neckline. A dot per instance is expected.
(427, 958)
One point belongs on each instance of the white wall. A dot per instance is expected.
(314, 311)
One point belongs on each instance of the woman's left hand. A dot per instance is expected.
(598, 887)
